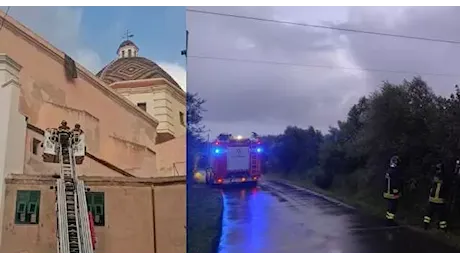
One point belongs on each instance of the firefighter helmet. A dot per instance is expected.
(394, 161)
(439, 169)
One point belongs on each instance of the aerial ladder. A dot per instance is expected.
(73, 227)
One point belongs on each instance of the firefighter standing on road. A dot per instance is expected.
(439, 193)
(392, 191)
(455, 187)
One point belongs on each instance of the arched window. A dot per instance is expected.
(122, 54)
(129, 53)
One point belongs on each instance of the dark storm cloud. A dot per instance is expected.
(266, 98)
(405, 54)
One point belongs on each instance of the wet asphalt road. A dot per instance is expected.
(280, 218)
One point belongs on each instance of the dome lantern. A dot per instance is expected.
(127, 48)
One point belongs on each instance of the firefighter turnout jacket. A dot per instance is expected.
(393, 183)
(439, 191)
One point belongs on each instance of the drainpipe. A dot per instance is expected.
(154, 220)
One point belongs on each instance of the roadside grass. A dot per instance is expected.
(354, 201)
(204, 218)
(371, 207)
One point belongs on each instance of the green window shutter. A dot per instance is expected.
(98, 210)
(89, 198)
(20, 216)
(96, 206)
(27, 207)
(32, 208)
(21, 207)
(34, 196)
(99, 198)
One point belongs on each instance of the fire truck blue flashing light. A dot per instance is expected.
(259, 149)
(217, 151)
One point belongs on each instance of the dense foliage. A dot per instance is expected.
(195, 129)
(408, 119)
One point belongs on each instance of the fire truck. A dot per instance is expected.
(234, 160)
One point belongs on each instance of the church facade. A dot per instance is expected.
(138, 186)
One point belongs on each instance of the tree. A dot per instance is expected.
(195, 128)
(195, 115)
(296, 151)
(406, 119)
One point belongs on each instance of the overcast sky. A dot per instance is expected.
(245, 97)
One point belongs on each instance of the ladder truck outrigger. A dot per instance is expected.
(74, 229)
(235, 160)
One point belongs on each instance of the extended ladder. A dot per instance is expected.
(74, 235)
(254, 165)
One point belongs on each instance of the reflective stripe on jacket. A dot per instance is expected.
(392, 188)
(438, 191)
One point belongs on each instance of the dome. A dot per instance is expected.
(127, 43)
(133, 68)
(129, 66)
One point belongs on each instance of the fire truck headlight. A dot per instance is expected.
(239, 137)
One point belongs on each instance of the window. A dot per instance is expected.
(142, 106)
(123, 54)
(95, 201)
(35, 144)
(181, 118)
(27, 207)
(129, 53)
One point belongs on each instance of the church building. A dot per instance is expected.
(132, 113)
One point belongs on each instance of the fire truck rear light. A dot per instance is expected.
(254, 178)
(243, 179)
(219, 180)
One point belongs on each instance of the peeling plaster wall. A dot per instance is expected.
(171, 157)
(34, 164)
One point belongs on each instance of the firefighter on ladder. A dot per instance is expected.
(393, 185)
(77, 129)
(439, 193)
(64, 126)
(63, 132)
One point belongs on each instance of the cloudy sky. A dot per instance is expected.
(91, 35)
(244, 96)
